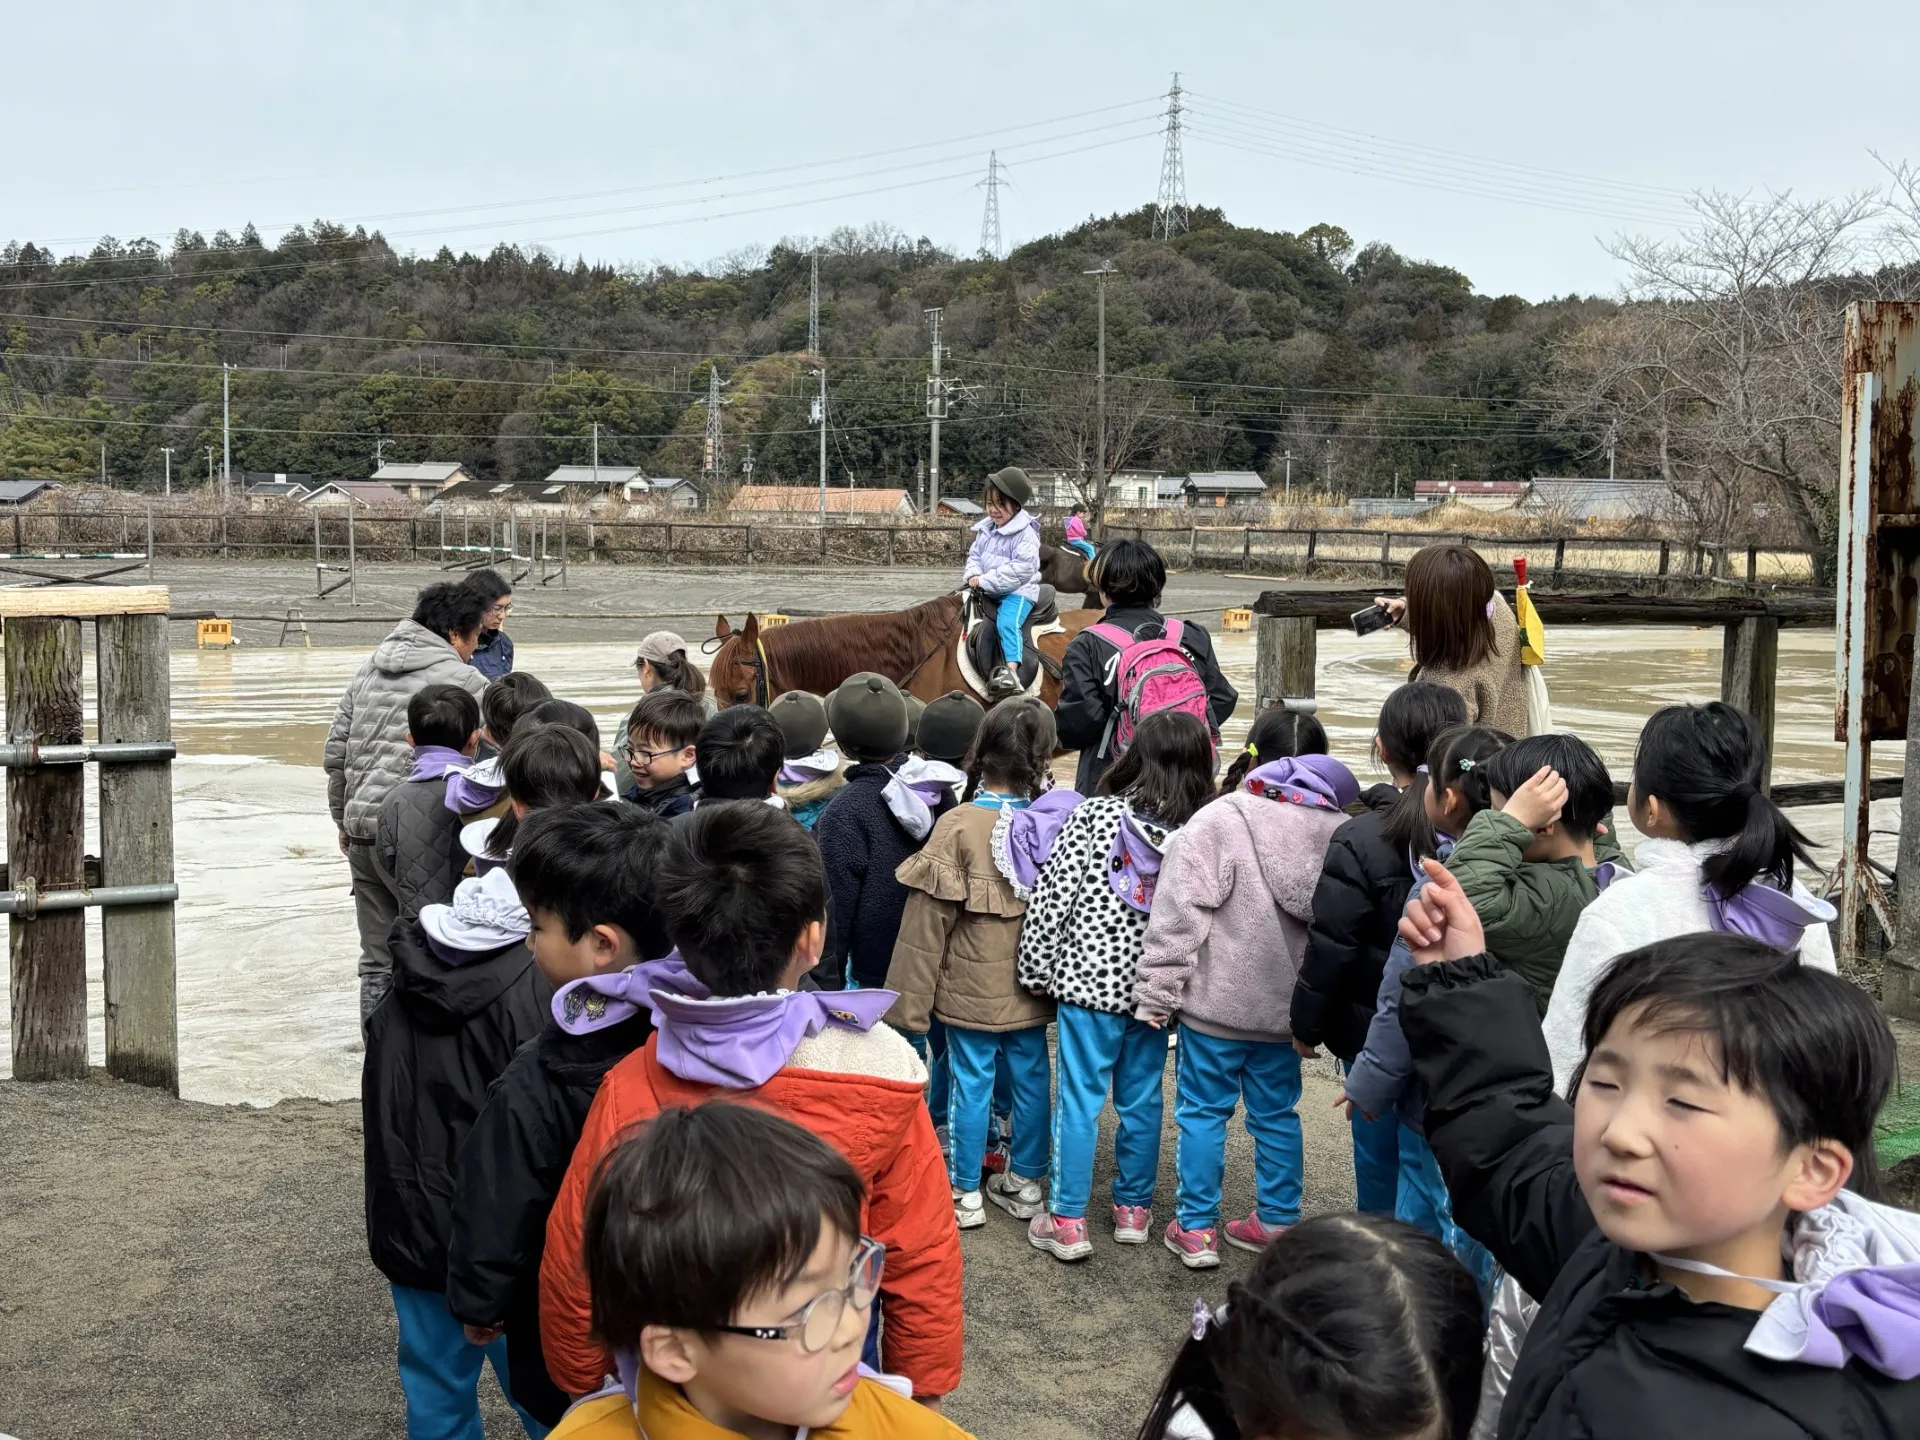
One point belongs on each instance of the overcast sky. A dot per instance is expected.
(1508, 140)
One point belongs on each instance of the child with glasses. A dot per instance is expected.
(742, 1320)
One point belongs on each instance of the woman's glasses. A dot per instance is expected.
(818, 1321)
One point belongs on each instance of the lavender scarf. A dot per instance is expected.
(1773, 916)
(1022, 839)
(1133, 860)
(1319, 782)
(430, 762)
(476, 787)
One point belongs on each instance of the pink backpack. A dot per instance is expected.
(1149, 676)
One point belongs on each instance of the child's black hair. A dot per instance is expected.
(505, 700)
(661, 1252)
(1129, 573)
(672, 719)
(1589, 786)
(1278, 734)
(444, 715)
(1167, 772)
(545, 766)
(1351, 1326)
(738, 884)
(1456, 760)
(739, 752)
(563, 712)
(1706, 763)
(1014, 745)
(1814, 1046)
(592, 864)
(1409, 719)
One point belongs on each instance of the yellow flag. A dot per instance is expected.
(1533, 635)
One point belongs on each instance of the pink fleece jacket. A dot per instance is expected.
(1229, 922)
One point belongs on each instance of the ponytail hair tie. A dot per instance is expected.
(1253, 750)
(1745, 790)
(1465, 764)
(1202, 1318)
(1419, 769)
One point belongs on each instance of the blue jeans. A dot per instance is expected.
(1212, 1076)
(1013, 613)
(973, 1059)
(1376, 1163)
(1098, 1050)
(440, 1371)
(932, 1048)
(1423, 1202)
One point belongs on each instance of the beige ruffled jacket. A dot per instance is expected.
(960, 935)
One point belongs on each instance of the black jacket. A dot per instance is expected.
(509, 1171)
(439, 1039)
(1613, 1355)
(1356, 913)
(416, 842)
(676, 797)
(861, 845)
(1087, 696)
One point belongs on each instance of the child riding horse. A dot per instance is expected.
(1004, 565)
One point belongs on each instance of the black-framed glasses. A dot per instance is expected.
(818, 1321)
(641, 759)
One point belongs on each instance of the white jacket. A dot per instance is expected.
(1664, 897)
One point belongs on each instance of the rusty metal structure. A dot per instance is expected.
(1879, 584)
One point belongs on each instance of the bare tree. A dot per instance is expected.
(1063, 427)
(1723, 370)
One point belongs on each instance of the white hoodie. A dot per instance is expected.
(1665, 896)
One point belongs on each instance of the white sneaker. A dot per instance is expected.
(969, 1211)
(1020, 1198)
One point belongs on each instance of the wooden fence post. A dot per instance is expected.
(1313, 538)
(1749, 662)
(45, 829)
(1285, 658)
(1559, 560)
(749, 541)
(136, 848)
(1246, 547)
(1665, 556)
(1193, 546)
(1753, 563)
(891, 532)
(823, 537)
(223, 534)
(1386, 555)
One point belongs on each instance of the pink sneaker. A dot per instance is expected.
(1252, 1234)
(1132, 1224)
(1063, 1239)
(1197, 1249)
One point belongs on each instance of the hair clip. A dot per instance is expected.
(1202, 1317)
(1466, 764)
(1490, 600)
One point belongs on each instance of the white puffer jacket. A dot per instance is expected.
(367, 752)
(1665, 896)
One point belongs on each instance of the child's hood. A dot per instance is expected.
(1855, 1294)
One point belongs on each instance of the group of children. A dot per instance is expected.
(681, 1101)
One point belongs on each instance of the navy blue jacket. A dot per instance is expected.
(861, 845)
(494, 655)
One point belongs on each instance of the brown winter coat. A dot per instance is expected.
(960, 935)
(1495, 690)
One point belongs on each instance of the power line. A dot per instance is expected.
(1170, 214)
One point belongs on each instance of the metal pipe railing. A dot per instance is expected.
(29, 900)
(27, 753)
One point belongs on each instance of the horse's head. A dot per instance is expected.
(738, 674)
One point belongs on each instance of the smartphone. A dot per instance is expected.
(1374, 617)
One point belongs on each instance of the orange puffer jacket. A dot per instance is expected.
(860, 1092)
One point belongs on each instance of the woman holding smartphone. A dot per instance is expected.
(1463, 634)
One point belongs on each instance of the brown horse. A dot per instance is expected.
(914, 648)
(1069, 572)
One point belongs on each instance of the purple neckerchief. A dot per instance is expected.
(1608, 871)
(430, 762)
(1767, 914)
(1317, 781)
(1872, 1316)
(1024, 838)
(804, 769)
(475, 788)
(741, 1042)
(1133, 861)
(918, 788)
(582, 1006)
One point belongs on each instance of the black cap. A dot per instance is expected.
(949, 725)
(869, 717)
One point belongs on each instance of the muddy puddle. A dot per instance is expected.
(266, 938)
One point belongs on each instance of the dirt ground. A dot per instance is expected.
(177, 1270)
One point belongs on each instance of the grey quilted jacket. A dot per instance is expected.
(417, 845)
(367, 752)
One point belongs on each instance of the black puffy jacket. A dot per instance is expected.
(1612, 1355)
(441, 1037)
(416, 842)
(861, 845)
(509, 1171)
(1356, 911)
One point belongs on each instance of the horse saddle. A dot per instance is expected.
(980, 642)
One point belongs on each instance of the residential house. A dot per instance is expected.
(361, 494)
(420, 483)
(533, 494)
(250, 482)
(1058, 491)
(262, 493)
(874, 503)
(1224, 487)
(954, 506)
(1599, 499)
(1480, 494)
(676, 493)
(1170, 490)
(24, 491)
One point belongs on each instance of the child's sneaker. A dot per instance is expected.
(1022, 1199)
(1197, 1249)
(1063, 1239)
(1132, 1224)
(997, 1159)
(1253, 1234)
(969, 1211)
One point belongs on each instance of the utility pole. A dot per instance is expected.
(920, 484)
(226, 434)
(1100, 458)
(167, 450)
(596, 455)
(103, 467)
(820, 415)
(1170, 215)
(209, 467)
(379, 453)
(813, 309)
(1613, 438)
(1289, 459)
(990, 245)
(936, 409)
